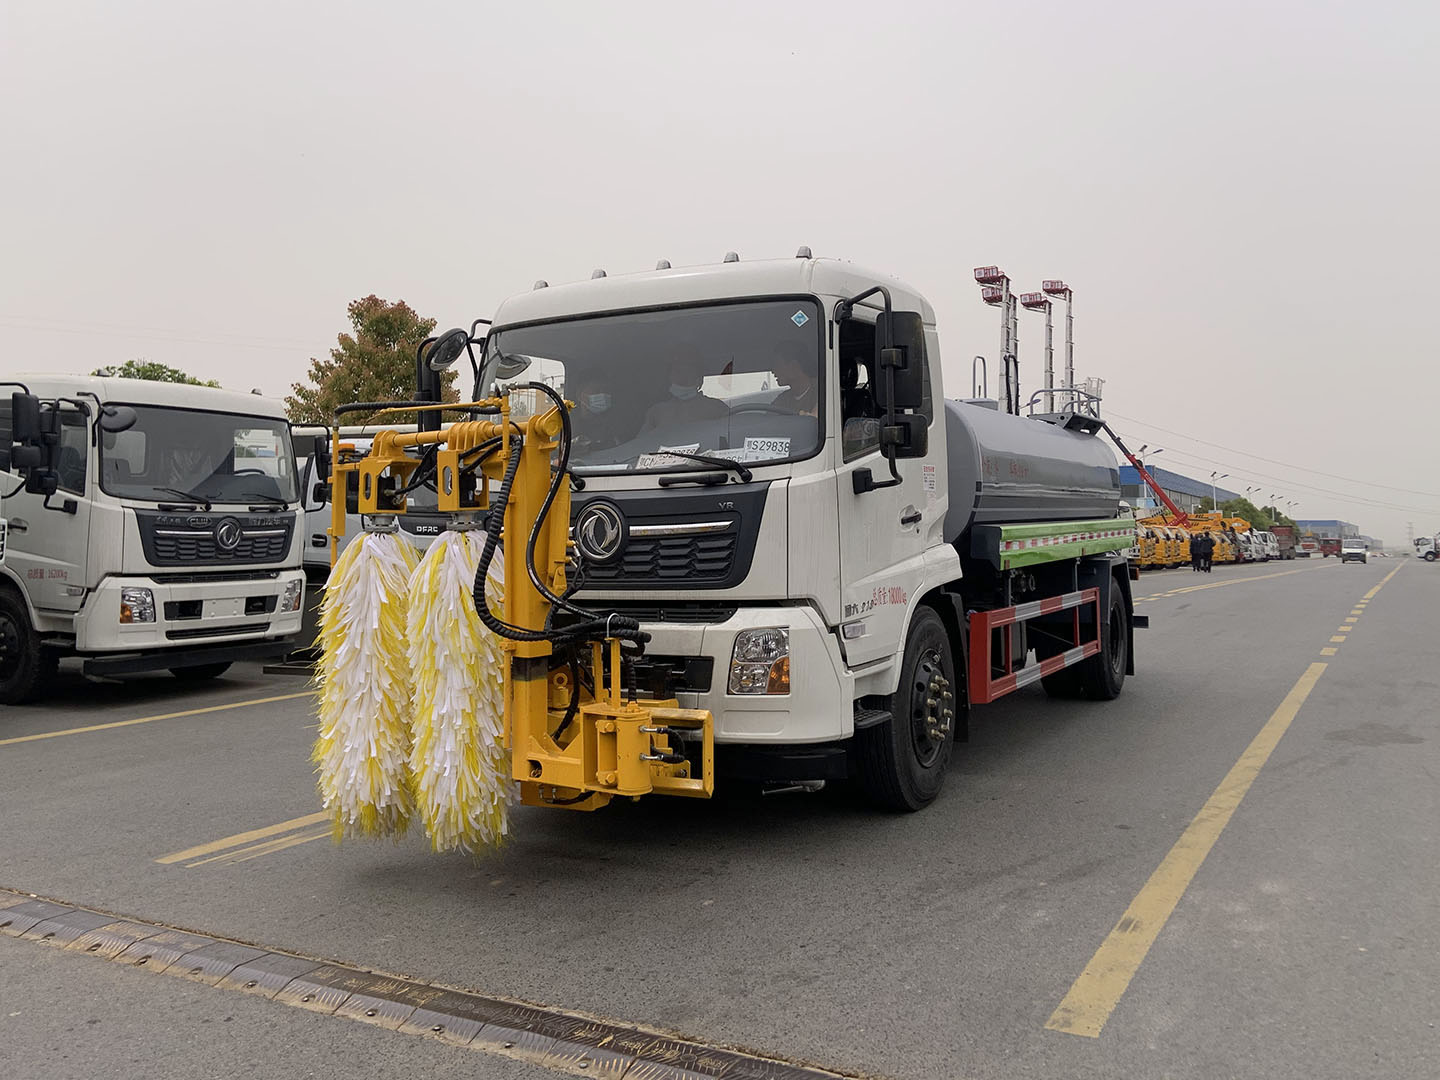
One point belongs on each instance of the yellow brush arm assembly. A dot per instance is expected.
(566, 746)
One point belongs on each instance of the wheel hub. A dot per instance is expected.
(932, 709)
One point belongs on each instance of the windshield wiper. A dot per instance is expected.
(715, 462)
(199, 500)
(271, 500)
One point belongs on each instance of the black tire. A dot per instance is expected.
(24, 664)
(901, 763)
(1102, 677)
(1429, 556)
(200, 672)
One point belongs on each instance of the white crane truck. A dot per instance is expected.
(143, 526)
(827, 554)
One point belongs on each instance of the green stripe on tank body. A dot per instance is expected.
(1056, 552)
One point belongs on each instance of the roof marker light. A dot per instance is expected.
(542, 284)
(663, 264)
(731, 256)
(596, 274)
(804, 253)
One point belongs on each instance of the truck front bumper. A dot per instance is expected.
(818, 708)
(198, 616)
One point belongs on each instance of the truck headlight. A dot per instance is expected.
(136, 605)
(294, 593)
(760, 661)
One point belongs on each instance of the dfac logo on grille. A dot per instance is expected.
(228, 535)
(600, 531)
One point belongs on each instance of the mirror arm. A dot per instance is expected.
(845, 309)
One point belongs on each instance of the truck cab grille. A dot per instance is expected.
(670, 558)
(191, 539)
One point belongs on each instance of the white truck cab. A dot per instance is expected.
(147, 526)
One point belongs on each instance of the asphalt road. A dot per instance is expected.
(1238, 855)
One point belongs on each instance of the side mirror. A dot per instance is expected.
(25, 419)
(320, 493)
(117, 418)
(321, 459)
(907, 437)
(900, 348)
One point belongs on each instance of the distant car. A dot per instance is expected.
(1354, 551)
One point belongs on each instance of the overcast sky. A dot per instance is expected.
(1245, 196)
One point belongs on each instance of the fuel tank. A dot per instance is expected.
(1007, 470)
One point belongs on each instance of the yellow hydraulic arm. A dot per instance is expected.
(573, 746)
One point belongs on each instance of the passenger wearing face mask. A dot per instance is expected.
(685, 403)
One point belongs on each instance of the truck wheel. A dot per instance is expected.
(1429, 556)
(200, 672)
(1102, 676)
(902, 762)
(23, 663)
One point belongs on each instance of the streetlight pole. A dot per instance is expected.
(1053, 287)
(1036, 301)
(1214, 498)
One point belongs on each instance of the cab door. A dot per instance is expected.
(48, 548)
(885, 532)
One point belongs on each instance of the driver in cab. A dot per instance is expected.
(596, 420)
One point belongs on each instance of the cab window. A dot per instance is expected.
(860, 413)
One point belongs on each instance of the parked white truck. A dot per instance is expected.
(827, 555)
(146, 526)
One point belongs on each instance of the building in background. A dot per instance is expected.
(1182, 490)
(1328, 528)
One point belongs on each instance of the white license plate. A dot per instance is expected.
(224, 609)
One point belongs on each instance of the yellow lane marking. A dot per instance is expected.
(152, 719)
(1343, 629)
(254, 851)
(1351, 619)
(1338, 637)
(1371, 594)
(1094, 995)
(1329, 650)
(245, 838)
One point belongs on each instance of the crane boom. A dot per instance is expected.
(1181, 518)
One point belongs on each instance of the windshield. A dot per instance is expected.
(183, 454)
(739, 381)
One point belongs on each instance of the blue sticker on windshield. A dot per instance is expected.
(799, 318)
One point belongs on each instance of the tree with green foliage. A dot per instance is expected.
(152, 370)
(374, 362)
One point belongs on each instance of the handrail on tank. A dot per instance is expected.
(1078, 400)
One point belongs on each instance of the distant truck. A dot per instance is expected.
(1354, 549)
(1285, 539)
(1427, 547)
(143, 526)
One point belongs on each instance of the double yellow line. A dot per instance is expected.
(242, 847)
